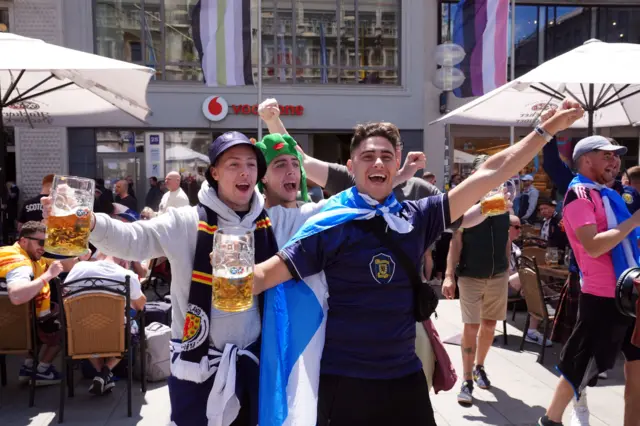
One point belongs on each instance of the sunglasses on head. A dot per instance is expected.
(40, 242)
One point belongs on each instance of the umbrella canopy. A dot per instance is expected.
(602, 77)
(43, 84)
(461, 157)
(182, 153)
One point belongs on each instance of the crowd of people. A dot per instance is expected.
(358, 364)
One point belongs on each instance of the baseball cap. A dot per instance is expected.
(230, 139)
(596, 142)
(526, 178)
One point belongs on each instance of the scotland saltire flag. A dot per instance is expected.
(295, 314)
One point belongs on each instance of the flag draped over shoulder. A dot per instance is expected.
(221, 32)
(295, 315)
(480, 27)
(626, 254)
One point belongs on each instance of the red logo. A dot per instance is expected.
(278, 146)
(215, 108)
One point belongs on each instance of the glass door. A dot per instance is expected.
(113, 167)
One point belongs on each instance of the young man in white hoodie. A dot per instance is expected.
(229, 196)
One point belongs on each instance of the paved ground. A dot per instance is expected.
(522, 388)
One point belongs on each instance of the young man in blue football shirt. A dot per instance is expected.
(369, 371)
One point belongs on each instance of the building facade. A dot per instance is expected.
(330, 63)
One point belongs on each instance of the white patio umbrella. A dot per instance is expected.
(43, 84)
(182, 153)
(461, 157)
(602, 77)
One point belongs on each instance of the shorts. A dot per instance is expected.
(599, 335)
(49, 328)
(483, 298)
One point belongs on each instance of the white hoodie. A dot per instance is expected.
(174, 236)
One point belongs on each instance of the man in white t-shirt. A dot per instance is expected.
(175, 196)
(107, 267)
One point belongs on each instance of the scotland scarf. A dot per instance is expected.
(193, 364)
(626, 254)
(295, 316)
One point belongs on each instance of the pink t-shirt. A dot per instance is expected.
(583, 206)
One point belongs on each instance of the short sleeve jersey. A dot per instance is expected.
(582, 207)
(370, 330)
(31, 210)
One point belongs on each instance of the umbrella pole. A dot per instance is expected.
(590, 110)
(4, 195)
(259, 66)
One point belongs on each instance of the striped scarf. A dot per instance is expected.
(195, 339)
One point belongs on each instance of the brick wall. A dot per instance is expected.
(39, 151)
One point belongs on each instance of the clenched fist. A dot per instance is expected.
(269, 110)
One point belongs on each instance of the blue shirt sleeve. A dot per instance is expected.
(310, 255)
(433, 216)
(630, 192)
(558, 171)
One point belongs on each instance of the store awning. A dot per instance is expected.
(461, 157)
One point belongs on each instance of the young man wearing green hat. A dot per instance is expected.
(285, 174)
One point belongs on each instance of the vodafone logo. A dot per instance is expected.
(215, 108)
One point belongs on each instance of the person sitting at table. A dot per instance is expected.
(515, 287)
(552, 226)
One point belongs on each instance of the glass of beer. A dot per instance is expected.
(68, 225)
(232, 261)
(495, 202)
(552, 256)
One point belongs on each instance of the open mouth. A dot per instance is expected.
(290, 186)
(377, 178)
(243, 187)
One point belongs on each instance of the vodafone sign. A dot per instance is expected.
(215, 108)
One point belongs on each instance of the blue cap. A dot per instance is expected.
(230, 139)
(596, 142)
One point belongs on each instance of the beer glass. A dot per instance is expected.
(495, 202)
(68, 225)
(552, 256)
(232, 261)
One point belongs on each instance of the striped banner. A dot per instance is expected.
(480, 27)
(222, 36)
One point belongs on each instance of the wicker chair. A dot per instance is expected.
(97, 324)
(17, 335)
(537, 302)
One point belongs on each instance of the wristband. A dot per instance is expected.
(542, 132)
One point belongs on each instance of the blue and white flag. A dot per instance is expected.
(626, 254)
(295, 316)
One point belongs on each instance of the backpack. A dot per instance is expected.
(158, 337)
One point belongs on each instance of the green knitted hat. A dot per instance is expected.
(276, 144)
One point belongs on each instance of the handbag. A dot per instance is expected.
(425, 299)
(444, 375)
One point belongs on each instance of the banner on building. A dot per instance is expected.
(480, 27)
(222, 36)
(154, 154)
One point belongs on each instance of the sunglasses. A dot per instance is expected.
(40, 242)
(516, 226)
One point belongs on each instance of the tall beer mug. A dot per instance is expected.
(68, 225)
(232, 262)
(495, 202)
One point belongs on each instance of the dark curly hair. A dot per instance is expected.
(386, 130)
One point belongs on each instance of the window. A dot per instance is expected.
(619, 24)
(303, 41)
(112, 141)
(565, 29)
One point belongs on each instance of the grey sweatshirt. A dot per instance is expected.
(173, 235)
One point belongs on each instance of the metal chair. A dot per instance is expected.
(18, 335)
(97, 324)
(537, 305)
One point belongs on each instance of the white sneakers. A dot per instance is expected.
(580, 412)
(534, 336)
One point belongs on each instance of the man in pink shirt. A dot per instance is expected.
(601, 332)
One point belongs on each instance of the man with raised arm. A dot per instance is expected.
(349, 338)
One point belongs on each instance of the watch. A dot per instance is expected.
(542, 132)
